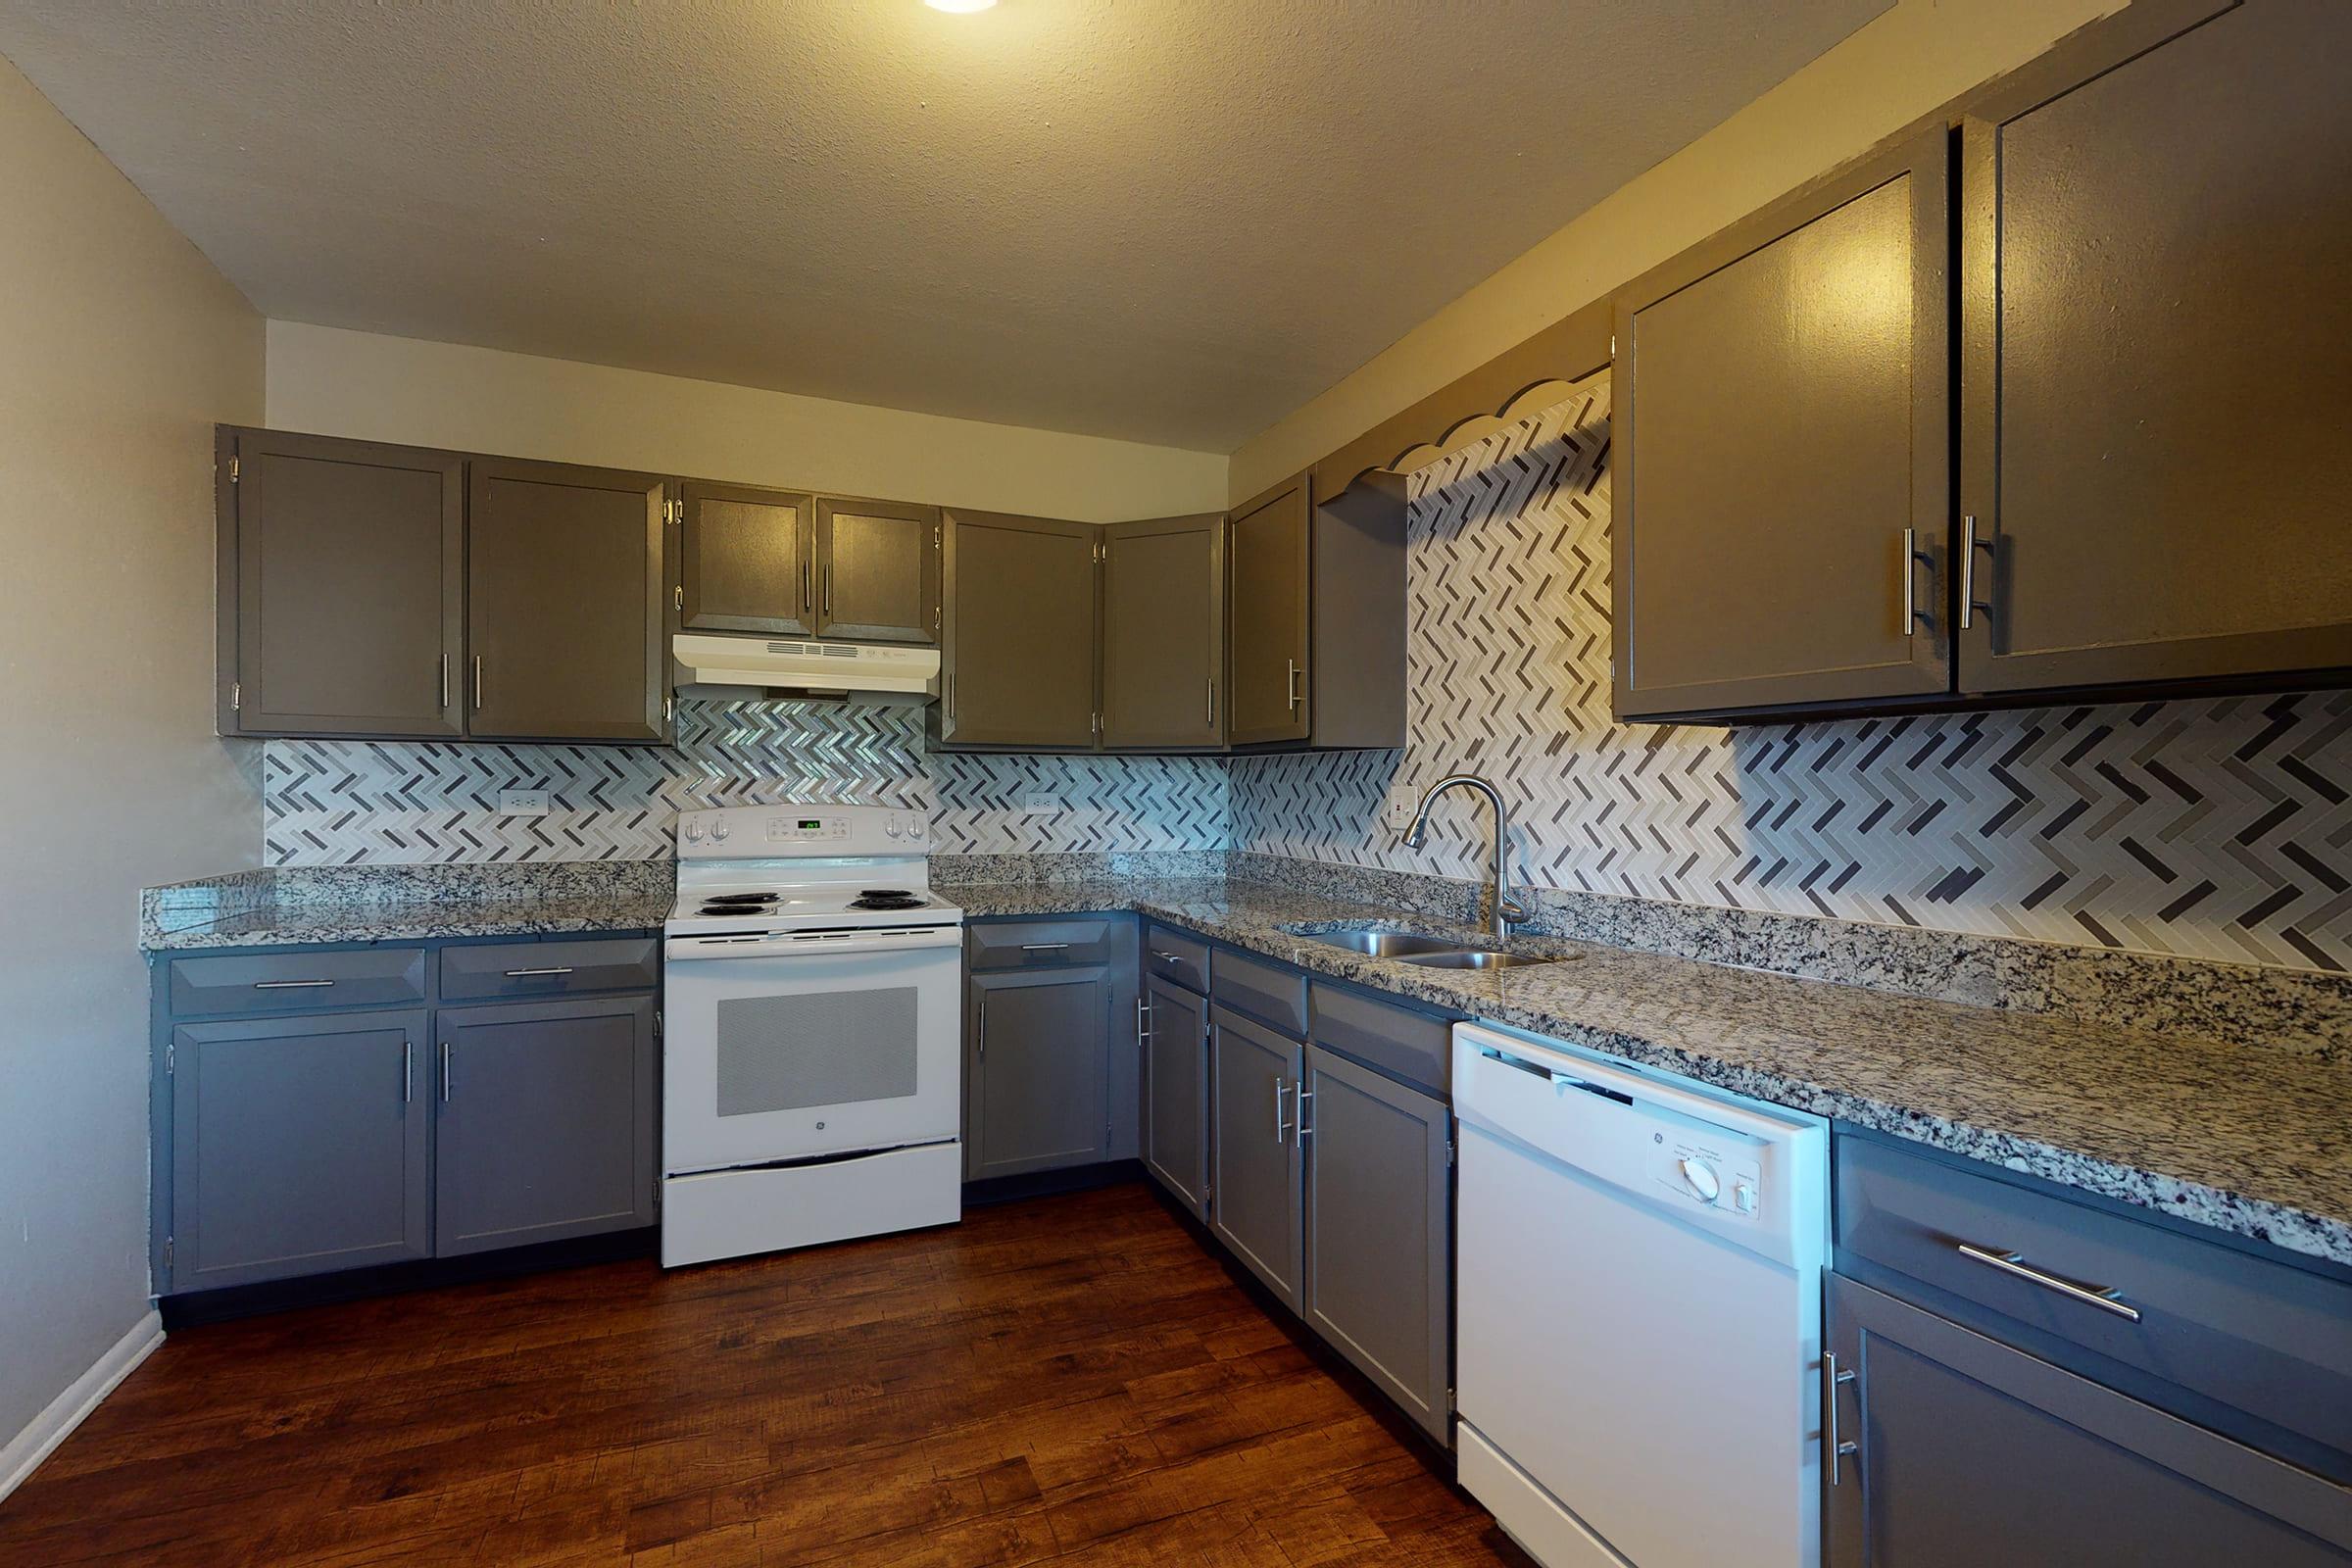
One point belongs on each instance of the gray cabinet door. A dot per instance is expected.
(2153, 407)
(567, 590)
(1037, 1090)
(747, 559)
(1782, 425)
(1254, 1160)
(342, 587)
(299, 1145)
(1018, 659)
(1163, 632)
(1266, 577)
(546, 1121)
(1378, 1271)
(877, 571)
(1175, 1113)
(1970, 1452)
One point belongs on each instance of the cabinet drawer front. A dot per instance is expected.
(550, 968)
(1169, 956)
(1030, 944)
(1262, 989)
(2257, 1348)
(297, 982)
(1416, 1047)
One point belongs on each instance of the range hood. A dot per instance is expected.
(739, 666)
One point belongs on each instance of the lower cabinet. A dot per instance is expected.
(1376, 1278)
(1967, 1451)
(546, 1121)
(1037, 1073)
(1256, 1157)
(1175, 1110)
(299, 1145)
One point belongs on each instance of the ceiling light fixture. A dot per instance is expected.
(959, 6)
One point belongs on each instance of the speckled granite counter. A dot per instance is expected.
(404, 904)
(2233, 1134)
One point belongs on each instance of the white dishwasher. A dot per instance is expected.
(1639, 1307)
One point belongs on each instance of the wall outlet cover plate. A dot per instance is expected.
(1038, 802)
(523, 803)
(1399, 810)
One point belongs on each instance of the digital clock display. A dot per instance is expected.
(810, 824)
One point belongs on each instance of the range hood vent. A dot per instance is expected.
(737, 666)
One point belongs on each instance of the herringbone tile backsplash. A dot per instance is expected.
(2215, 829)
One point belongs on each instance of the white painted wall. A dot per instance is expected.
(119, 346)
(337, 382)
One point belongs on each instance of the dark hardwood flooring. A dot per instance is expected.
(1071, 1379)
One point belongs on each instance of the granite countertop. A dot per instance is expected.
(404, 904)
(2235, 1135)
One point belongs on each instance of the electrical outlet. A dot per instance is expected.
(523, 803)
(1399, 813)
(1039, 803)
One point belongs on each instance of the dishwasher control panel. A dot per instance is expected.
(1722, 1174)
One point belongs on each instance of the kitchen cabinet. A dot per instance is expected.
(1175, 1117)
(877, 571)
(1019, 633)
(545, 1121)
(568, 598)
(2152, 464)
(1164, 633)
(1036, 1088)
(1253, 1150)
(747, 560)
(296, 1145)
(1376, 1275)
(1969, 1452)
(1267, 596)
(1782, 407)
(341, 586)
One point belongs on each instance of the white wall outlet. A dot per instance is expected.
(523, 803)
(1040, 803)
(1398, 813)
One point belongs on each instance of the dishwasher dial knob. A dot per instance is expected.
(1699, 1176)
(1743, 1196)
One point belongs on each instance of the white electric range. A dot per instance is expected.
(813, 1032)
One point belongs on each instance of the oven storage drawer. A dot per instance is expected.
(297, 982)
(1272, 992)
(1030, 944)
(1416, 1047)
(550, 968)
(2257, 1348)
(1168, 956)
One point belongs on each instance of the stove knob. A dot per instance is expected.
(914, 827)
(890, 826)
(719, 832)
(1700, 1176)
(694, 831)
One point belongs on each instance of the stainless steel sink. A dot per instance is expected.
(1476, 959)
(1384, 944)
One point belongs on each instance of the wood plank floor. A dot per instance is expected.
(1070, 1379)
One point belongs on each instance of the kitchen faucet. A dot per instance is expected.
(1507, 910)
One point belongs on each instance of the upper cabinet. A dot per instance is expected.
(1164, 633)
(877, 571)
(1782, 403)
(568, 593)
(747, 560)
(2156, 357)
(1266, 590)
(342, 587)
(1018, 632)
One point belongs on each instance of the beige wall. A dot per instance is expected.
(1916, 56)
(338, 382)
(119, 346)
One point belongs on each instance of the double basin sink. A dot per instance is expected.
(1427, 952)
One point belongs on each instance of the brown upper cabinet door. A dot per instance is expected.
(2156, 243)
(566, 604)
(342, 587)
(1164, 633)
(877, 571)
(1018, 661)
(1266, 577)
(747, 560)
(1783, 454)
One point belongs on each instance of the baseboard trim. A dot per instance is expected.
(28, 1448)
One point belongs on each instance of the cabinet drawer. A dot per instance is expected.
(1029, 943)
(1415, 1047)
(1180, 959)
(1268, 991)
(297, 982)
(2259, 1350)
(550, 968)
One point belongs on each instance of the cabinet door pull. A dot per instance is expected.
(1289, 685)
(1298, 1102)
(291, 985)
(1282, 1126)
(1970, 603)
(982, 1045)
(808, 599)
(1911, 615)
(828, 610)
(554, 968)
(1143, 1018)
(407, 1071)
(1831, 1381)
(2102, 1296)
(477, 683)
(445, 681)
(446, 1074)
(1043, 946)
(1212, 701)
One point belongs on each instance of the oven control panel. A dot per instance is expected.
(758, 832)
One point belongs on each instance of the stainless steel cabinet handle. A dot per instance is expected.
(1143, 1018)
(444, 680)
(1282, 1127)
(982, 1044)
(807, 599)
(1290, 684)
(477, 683)
(559, 968)
(1911, 615)
(445, 1071)
(1212, 701)
(291, 985)
(828, 587)
(1830, 1379)
(407, 1071)
(1298, 1100)
(1970, 603)
(1043, 946)
(2102, 1296)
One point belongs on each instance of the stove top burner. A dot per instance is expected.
(886, 899)
(739, 899)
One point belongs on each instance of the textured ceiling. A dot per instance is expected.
(1172, 221)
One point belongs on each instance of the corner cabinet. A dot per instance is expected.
(1315, 619)
(1018, 633)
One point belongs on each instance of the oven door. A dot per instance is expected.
(813, 1043)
